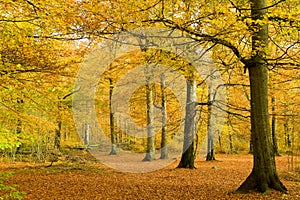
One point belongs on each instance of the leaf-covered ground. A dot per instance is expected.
(90, 180)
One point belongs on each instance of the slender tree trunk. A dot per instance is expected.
(274, 136)
(220, 140)
(57, 137)
(210, 133)
(20, 108)
(188, 157)
(111, 121)
(230, 143)
(164, 138)
(287, 139)
(87, 129)
(150, 150)
(264, 174)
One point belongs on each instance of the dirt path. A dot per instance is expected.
(211, 180)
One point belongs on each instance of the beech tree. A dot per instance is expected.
(164, 130)
(150, 149)
(263, 175)
(188, 156)
(112, 120)
(210, 130)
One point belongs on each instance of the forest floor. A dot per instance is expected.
(91, 180)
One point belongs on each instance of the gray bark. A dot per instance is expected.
(113, 150)
(150, 149)
(188, 157)
(86, 134)
(210, 134)
(164, 137)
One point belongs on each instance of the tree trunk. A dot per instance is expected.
(287, 140)
(57, 137)
(111, 121)
(210, 133)
(86, 140)
(220, 140)
(20, 108)
(264, 174)
(188, 157)
(251, 146)
(274, 138)
(164, 138)
(230, 143)
(150, 150)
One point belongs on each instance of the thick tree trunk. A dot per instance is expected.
(274, 137)
(188, 157)
(263, 175)
(113, 150)
(150, 150)
(164, 138)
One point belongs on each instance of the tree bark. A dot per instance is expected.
(231, 143)
(20, 108)
(113, 150)
(57, 137)
(188, 157)
(274, 136)
(164, 138)
(264, 174)
(150, 150)
(251, 146)
(87, 129)
(210, 133)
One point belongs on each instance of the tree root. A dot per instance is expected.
(262, 185)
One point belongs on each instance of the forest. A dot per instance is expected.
(150, 99)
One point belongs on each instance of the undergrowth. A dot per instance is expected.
(9, 191)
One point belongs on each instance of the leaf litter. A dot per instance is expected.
(92, 180)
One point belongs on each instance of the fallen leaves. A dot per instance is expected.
(210, 180)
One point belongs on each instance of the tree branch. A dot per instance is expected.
(206, 37)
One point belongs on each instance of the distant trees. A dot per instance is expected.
(37, 71)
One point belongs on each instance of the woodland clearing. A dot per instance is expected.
(92, 180)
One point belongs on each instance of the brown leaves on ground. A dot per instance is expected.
(211, 180)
